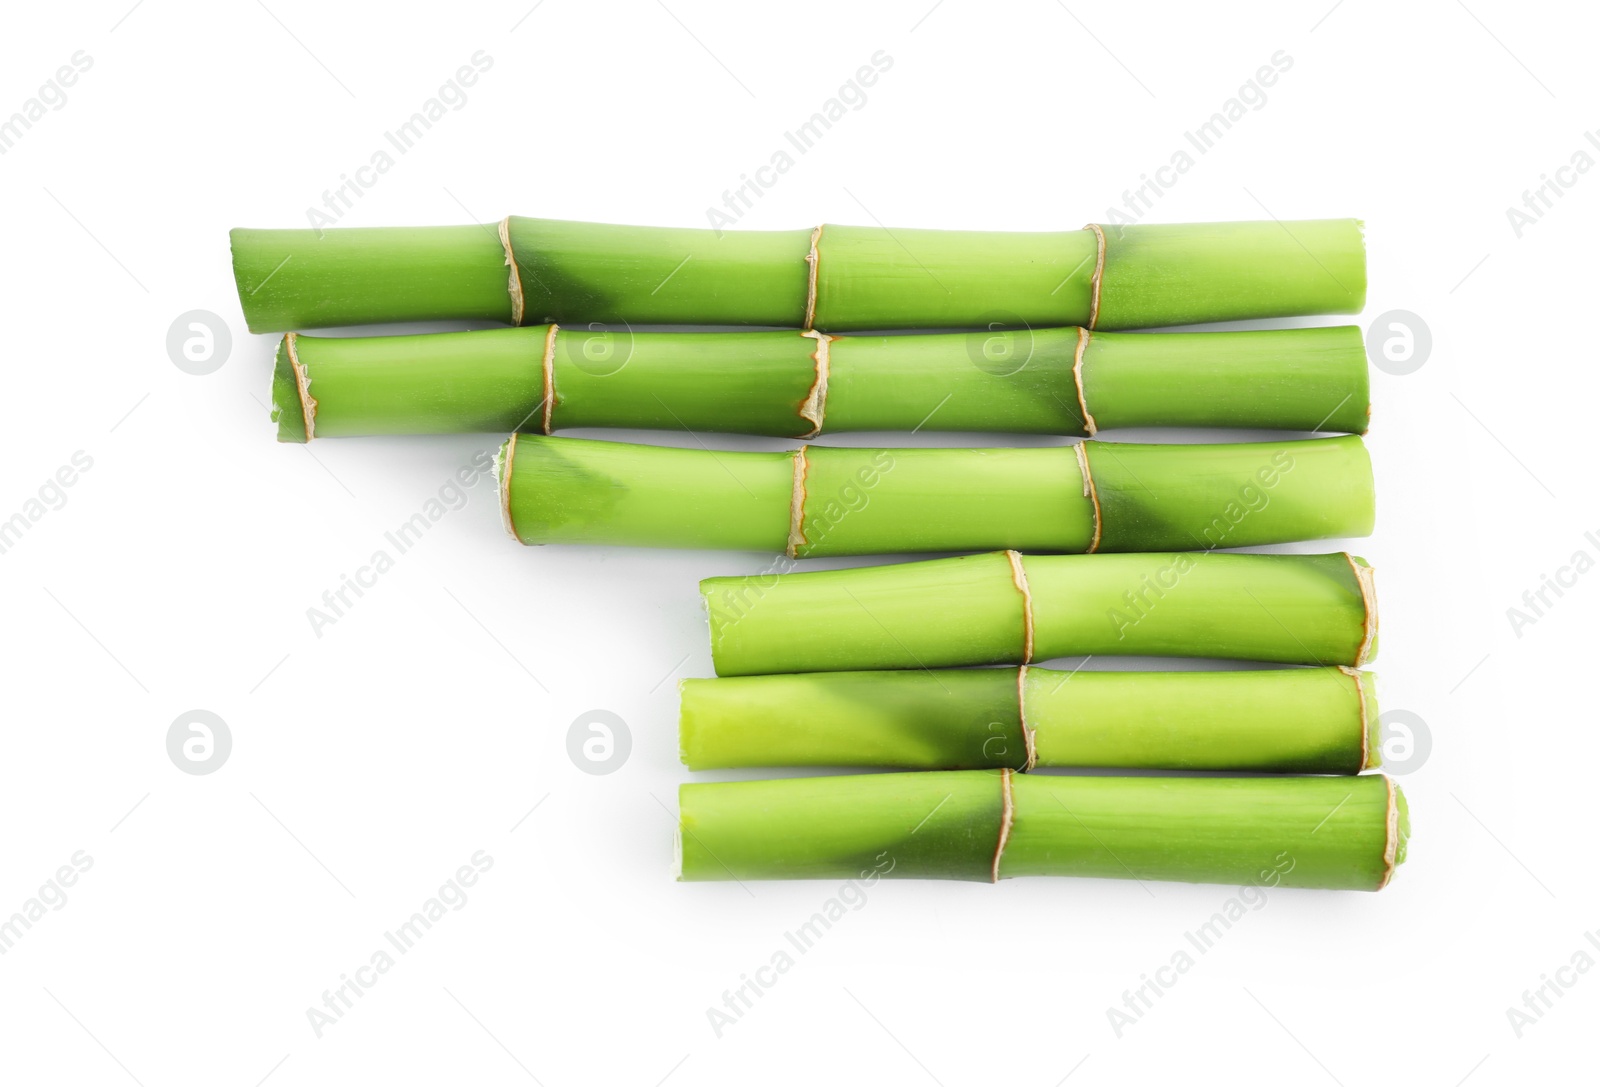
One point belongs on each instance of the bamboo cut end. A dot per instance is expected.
(503, 459)
(1364, 574)
(1397, 833)
(513, 274)
(288, 409)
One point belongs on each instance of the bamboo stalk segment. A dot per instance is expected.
(1042, 381)
(1096, 496)
(1326, 832)
(1001, 608)
(1283, 721)
(833, 278)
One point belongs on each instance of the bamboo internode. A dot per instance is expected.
(824, 500)
(831, 278)
(988, 825)
(1067, 381)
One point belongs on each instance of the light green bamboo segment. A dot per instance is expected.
(819, 500)
(1003, 608)
(1339, 833)
(1282, 721)
(1293, 268)
(1289, 721)
(291, 279)
(791, 384)
(568, 490)
(1281, 379)
(405, 384)
(833, 278)
(1228, 495)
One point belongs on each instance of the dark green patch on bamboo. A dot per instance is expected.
(1283, 721)
(1321, 832)
(817, 501)
(788, 384)
(836, 278)
(998, 608)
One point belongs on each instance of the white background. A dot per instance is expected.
(370, 763)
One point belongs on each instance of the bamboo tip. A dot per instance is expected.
(1370, 712)
(1367, 649)
(1397, 832)
(239, 258)
(503, 460)
(288, 406)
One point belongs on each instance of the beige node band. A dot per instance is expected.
(797, 506)
(813, 258)
(1391, 835)
(815, 405)
(1028, 737)
(1007, 813)
(1090, 492)
(302, 383)
(1361, 700)
(550, 374)
(508, 455)
(514, 281)
(1019, 578)
(1099, 273)
(1369, 606)
(1089, 427)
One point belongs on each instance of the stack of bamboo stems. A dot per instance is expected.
(927, 669)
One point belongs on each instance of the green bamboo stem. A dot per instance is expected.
(836, 278)
(786, 384)
(1005, 608)
(1096, 496)
(1337, 833)
(1286, 721)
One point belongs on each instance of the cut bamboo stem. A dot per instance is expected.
(534, 271)
(1284, 721)
(1047, 381)
(1095, 496)
(1336, 833)
(1006, 608)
